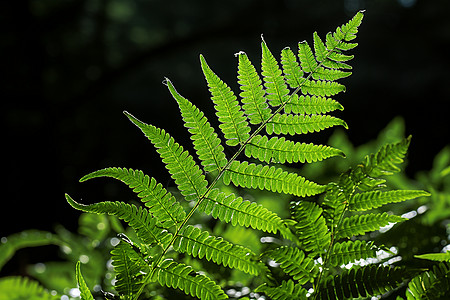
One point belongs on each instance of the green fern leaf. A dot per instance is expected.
(147, 228)
(347, 32)
(24, 239)
(180, 276)
(129, 267)
(301, 124)
(435, 256)
(187, 175)
(350, 251)
(311, 105)
(270, 178)
(365, 281)
(276, 88)
(306, 57)
(322, 88)
(431, 284)
(374, 199)
(279, 150)
(311, 227)
(291, 69)
(384, 162)
(206, 143)
(198, 243)
(255, 105)
(295, 263)
(361, 224)
(85, 293)
(319, 48)
(159, 202)
(230, 208)
(21, 288)
(234, 124)
(288, 290)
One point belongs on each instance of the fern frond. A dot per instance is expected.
(435, 256)
(252, 93)
(291, 69)
(295, 263)
(350, 251)
(206, 143)
(365, 281)
(322, 88)
(24, 239)
(311, 105)
(85, 293)
(156, 198)
(180, 276)
(306, 57)
(147, 228)
(288, 290)
(19, 288)
(187, 175)
(270, 178)
(129, 267)
(385, 160)
(276, 88)
(301, 124)
(361, 224)
(232, 209)
(311, 227)
(374, 199)
(198, 243)
(280, 150)
(234, 124)
(431, 284)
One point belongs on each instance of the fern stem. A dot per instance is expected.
(223, 170)
(327, 256)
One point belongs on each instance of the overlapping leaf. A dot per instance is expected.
(147, 228)
(351, 251)
(361, 224)
(311, 226)
(180, 276)
(295, 263)
(187, 175)
(157, 199)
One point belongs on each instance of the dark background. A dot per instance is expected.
(71, 67)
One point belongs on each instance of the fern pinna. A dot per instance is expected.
(289, 97)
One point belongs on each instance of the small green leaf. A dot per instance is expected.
(85, 293)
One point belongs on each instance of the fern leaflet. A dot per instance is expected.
(234, 124)
(295, 263)
(269, 178)
(198, 243)
(254, 103)
(187, 175)
(180, 276)
(361, 224)
(206, 143)
(232, 209)
(147, 228)
(157, 199)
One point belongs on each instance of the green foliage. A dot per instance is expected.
(206, 238)
(17, 288)
(85, 293)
